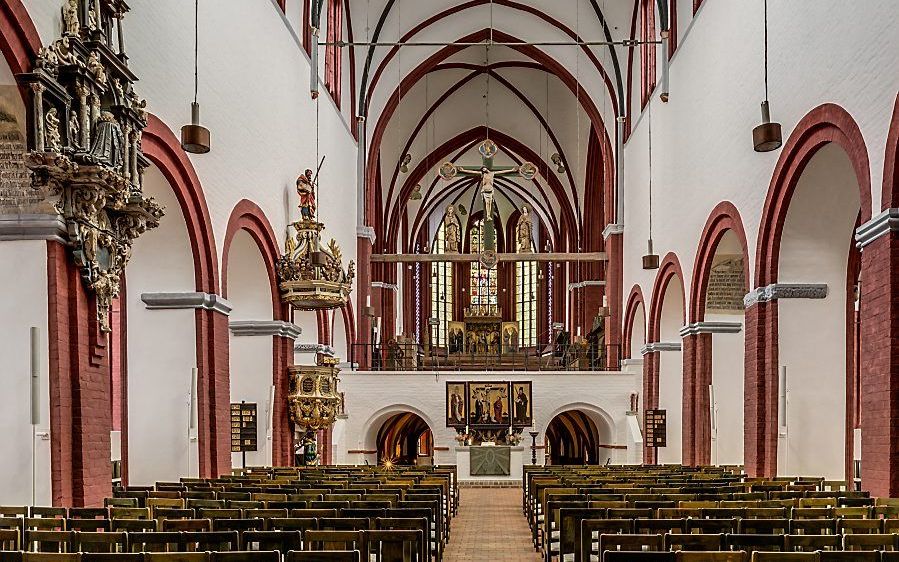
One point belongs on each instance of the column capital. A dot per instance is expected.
(882, 223)
(279, 328)
(612, 229)
(711, 328)
(653, 347)
(205, 301)
(368, 232)
(33, 227)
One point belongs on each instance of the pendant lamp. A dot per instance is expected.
(194, 137)
(767, 136)
(650, 259)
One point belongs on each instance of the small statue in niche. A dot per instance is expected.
(452, 231)
(306, 193)
(93, 16)
(95, 67)
(70, 23)
(74, 128)
(523, 231)
(51, 135)
(109, 141)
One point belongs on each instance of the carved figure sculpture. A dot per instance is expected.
(70, 23)
(452, 231)
(523, 231)
(306, 193)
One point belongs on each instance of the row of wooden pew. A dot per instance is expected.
(390, 516)
(588, 513)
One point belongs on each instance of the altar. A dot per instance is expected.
(490, 462)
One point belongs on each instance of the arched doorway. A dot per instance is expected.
(250, 355)
(814, 334)
(577, 436)
(405, 439)
(714, 344)
(161, 346)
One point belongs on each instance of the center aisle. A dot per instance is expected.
(490, 527)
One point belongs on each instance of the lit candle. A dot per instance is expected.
(368, 300)
(605, 300)
(578, 331)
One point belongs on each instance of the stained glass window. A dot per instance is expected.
(441, 290)
(526, 302)
(483, 279)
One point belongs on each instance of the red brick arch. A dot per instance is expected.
(163, 148)
(825, 124)
(723, 218)
(247, 216)
(669, 269)
(697, 348)
(890, 196)
(634, 300)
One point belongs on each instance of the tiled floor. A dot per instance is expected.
(490, 527)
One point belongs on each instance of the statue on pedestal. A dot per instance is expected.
(71, 25)
(306, 193)
(452, 231)
(523, 231)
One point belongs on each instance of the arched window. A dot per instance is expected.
(526, 301)
(483, 279)
(441, 290)
(333, 55)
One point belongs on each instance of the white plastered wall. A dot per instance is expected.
(371, 398)
(24, 298)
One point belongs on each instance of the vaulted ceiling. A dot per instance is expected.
(436, 102)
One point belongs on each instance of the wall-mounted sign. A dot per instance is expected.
(655, 428)
(243, 427)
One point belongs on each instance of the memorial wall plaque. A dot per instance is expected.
(17, 196)
(243, 427)
(727, 284)
(655, 428)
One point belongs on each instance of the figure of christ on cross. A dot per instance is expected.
(488, 172)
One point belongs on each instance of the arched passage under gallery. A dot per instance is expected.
(161, 347)
(713, 344)
(251, 351)
(578, 435)
(405, 439)
(662, 362)
(814, 351)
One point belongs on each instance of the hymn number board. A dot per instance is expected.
(243, 427)
(655, 426)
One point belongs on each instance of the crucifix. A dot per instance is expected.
(487, 172)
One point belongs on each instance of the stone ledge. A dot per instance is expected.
(206, 301)
(490, 483)
(32, 227)
(265, 328)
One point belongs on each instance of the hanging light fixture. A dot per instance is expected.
(767, 136)
(651, 259)
(194, 137)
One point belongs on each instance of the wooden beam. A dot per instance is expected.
(546, 256)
